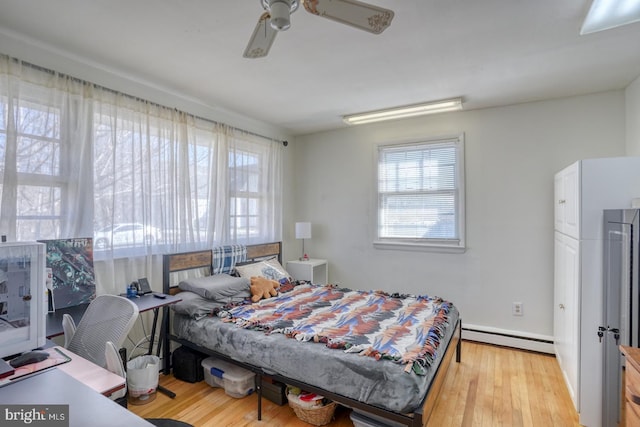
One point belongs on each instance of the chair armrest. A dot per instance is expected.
(114, 360)
(69, 329)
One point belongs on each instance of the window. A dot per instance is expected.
(253, 170)
(244, 171)
(31, 175)
(78, 160)
(420, 193)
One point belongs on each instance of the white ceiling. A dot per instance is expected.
(490, 52)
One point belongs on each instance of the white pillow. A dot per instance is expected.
(271, 269)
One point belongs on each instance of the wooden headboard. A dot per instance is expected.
(183, 261)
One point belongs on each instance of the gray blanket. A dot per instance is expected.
(381, 383)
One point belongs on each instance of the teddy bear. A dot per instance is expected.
(261, 287)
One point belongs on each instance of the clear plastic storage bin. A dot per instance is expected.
(360, 419)
(236, 381)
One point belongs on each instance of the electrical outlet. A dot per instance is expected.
(516, 309)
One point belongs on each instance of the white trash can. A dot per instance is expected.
(142, 379)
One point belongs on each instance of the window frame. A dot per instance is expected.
(424, 244)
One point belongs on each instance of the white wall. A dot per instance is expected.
(632, 122)
(511, 156)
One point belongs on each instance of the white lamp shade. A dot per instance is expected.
(303, 230)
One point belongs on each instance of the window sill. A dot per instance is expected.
(419, 247)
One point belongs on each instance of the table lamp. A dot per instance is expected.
(303, 231)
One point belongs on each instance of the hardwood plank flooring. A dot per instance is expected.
(491, 386)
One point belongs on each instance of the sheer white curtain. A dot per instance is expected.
(255, 174)
(45, 162)
(79, 160)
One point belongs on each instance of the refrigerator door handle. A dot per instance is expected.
(616, 334)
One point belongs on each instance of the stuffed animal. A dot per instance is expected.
(261, 287)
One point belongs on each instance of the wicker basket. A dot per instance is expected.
(318, 415)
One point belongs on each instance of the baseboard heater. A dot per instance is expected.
(520, 340)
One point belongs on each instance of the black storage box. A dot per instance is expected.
(187, 364)
(274, 391)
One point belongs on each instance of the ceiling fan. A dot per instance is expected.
(277, 14)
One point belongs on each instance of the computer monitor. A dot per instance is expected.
(22, 297)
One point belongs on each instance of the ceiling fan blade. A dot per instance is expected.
(361, 15)
(261, 39)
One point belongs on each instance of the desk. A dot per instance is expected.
(83, 370)
(149, 302)
(54, 320)
(144, 302)
(90, 374)
(86, 406)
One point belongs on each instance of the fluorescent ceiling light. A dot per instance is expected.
(405, 111)
(606, 14)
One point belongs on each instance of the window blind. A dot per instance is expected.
(419, 191)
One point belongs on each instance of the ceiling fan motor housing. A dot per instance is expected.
(280, 11)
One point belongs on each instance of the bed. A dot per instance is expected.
(383, 388)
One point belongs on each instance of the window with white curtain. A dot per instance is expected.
(78, 160)
(420, 192)
(31, 165)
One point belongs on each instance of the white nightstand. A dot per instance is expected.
(315, 271)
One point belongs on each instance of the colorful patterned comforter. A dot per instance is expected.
(404, 328)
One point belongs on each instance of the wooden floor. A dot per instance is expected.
(492, 386)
